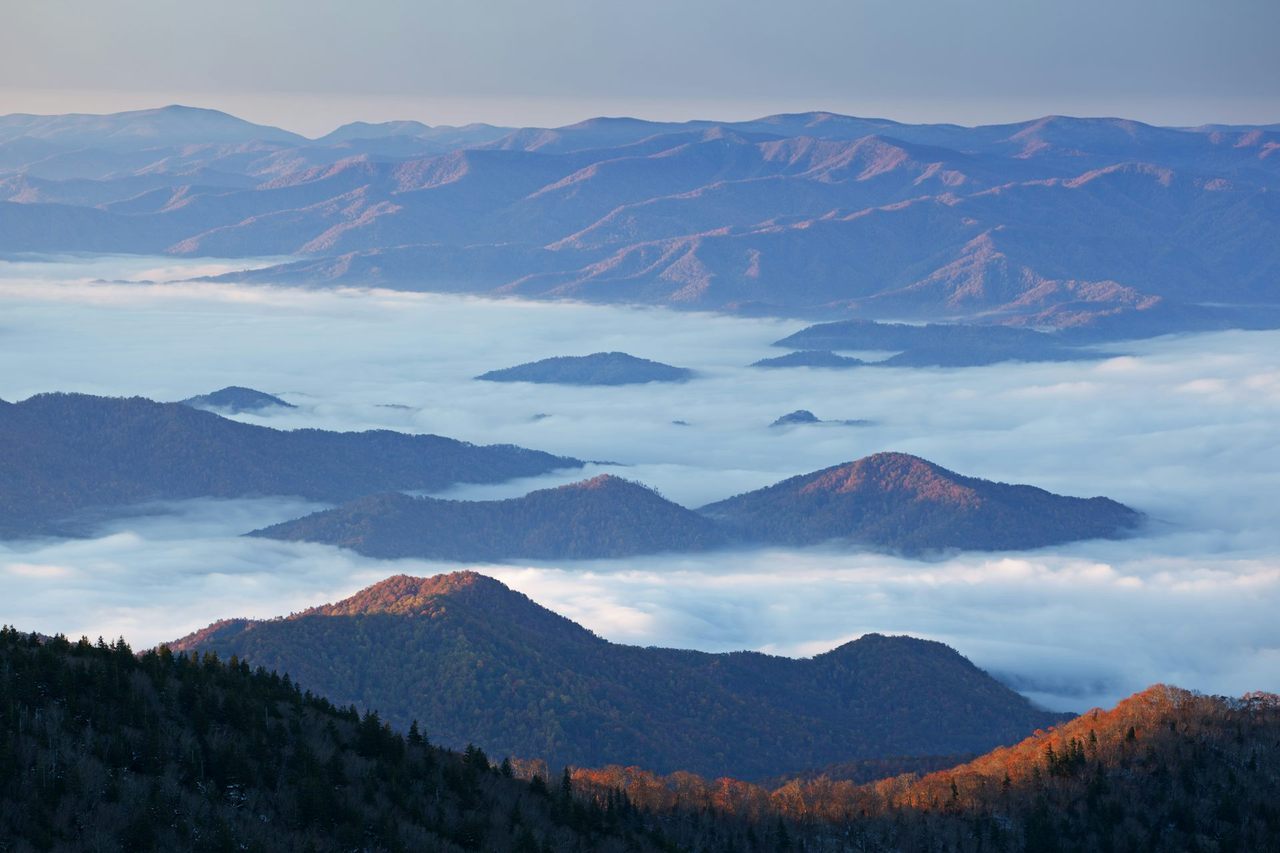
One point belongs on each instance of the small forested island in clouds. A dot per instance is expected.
(809, 358)
(804, 417)
(236, 400)
(600, 368)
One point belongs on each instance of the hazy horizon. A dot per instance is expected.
(312, 66)
(313, 117)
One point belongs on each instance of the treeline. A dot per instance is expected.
(102, 749)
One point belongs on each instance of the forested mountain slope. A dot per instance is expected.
(475, 661)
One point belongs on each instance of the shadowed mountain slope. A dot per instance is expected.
(60, 453)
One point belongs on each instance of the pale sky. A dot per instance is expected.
(310, 65)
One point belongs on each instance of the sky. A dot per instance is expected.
(1181, 428)
(309, 65)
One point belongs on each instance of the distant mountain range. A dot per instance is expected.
(1108, 227)
(906, 503)
(476, 662)
(888, 501)
(602, 517)
(598, 368)
(64, 453)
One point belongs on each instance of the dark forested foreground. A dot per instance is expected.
(103, 750)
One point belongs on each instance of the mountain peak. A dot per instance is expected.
(406, 595)
(902, 650)
(897, 472)
(605, 481)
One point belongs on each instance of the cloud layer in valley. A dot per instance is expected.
(1181, 428)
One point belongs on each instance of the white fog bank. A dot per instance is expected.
(1182, 428)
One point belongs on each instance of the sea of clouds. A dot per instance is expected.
(1182, 428)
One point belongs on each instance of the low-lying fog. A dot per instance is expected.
(1182, 428)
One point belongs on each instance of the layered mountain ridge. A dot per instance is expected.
(888, 501)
